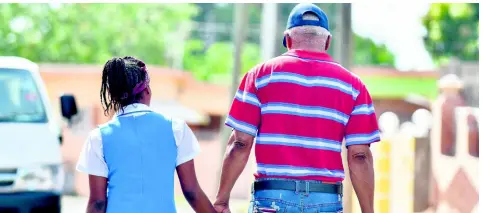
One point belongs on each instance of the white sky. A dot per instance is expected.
(399, 26)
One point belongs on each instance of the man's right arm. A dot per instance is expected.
(244, 118)
(361, 130)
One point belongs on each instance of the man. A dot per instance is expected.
(299, 107)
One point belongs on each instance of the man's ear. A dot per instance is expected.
(288, 40)
(327, 43)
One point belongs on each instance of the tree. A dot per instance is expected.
(90, 33)
(452, 31)
(215, 64)
(369, 53)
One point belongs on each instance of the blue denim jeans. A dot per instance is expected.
(283, 201)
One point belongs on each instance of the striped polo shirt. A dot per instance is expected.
(300, 106)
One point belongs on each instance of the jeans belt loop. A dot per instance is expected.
(296, 187)
(307, 188)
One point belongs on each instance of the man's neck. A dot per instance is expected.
(309, 49)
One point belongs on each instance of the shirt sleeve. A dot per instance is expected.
(244, 114)
(188, 146)
(91, 159)
(362, 127)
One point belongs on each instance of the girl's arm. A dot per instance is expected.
(91, 161)
(192, 190)
(97, 199)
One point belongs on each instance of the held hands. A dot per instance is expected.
(221, 206)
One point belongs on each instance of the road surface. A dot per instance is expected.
(73, 204)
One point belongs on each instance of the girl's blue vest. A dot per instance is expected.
(140, 152)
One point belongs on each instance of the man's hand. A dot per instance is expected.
(361, 168)
(222, 206)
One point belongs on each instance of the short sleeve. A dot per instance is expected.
(188, 146)
(362, 127)
(244, 114)
(91, 159)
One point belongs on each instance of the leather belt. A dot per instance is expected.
(298, 186)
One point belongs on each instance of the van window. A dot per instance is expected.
(20, 99)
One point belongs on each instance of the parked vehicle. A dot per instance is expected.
(31, 171)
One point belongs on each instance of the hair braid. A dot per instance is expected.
(119, 77)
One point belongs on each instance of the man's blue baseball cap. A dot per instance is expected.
(295, 17)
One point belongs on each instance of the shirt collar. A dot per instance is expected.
(309, 55)
(131, 108)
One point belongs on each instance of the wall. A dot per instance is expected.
(454, 182)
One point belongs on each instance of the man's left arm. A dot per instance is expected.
(244, 118)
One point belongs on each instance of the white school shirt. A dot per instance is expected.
(91, 158)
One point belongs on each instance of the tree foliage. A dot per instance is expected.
(215, 64)
(369, 53)
(452, 31)
(89, 33)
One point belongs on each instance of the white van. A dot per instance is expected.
(31, 172)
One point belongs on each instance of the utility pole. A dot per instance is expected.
(343, 54)
(210, 28)
(239, 37)
(182, 33)
(269, 31)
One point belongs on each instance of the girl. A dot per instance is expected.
(131, 159)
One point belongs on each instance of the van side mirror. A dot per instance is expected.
(68, 106)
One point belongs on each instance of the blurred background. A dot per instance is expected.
(418, 60)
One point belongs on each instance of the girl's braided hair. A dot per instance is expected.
(123, 80)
